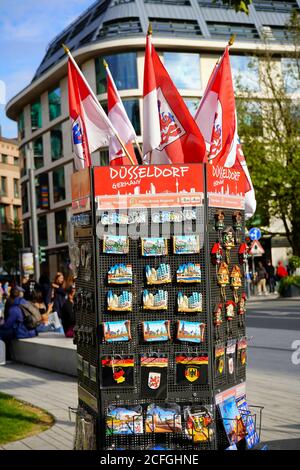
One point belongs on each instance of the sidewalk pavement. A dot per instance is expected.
(260, 298)
(50, 391)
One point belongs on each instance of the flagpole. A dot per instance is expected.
(139, 149)
(67, 51)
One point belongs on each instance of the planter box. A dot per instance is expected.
(291, 291)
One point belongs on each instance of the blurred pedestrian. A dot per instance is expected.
(45, 288)
(67, 315)
(261, 279)
(47, 323)
(29, 287)
(271, 276)
(58, 293)
(281, 271)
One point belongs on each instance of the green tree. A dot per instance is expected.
(11, 244)
(239, 5)
(273, 152)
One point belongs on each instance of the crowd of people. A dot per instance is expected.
(268, 276)
(37, 307)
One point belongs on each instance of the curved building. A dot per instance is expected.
(188, 34)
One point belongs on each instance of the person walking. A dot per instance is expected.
(261, 279)
(59, 293)
(271, 277)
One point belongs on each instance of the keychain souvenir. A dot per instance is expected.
(237, 225)
(243, 253)
(191, 368)
(117, 371)
(218, 319)
(223, 279)
(198, 421)
(228, 242)
(241, 309)
(216, 254)
(230, 359)
(229, 314)
(219, 360)
(154, 375)
(236, 281)
(242, 352)
(219, 221)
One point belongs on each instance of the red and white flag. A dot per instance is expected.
(250, 200)
(170, 134)
(120, 120)
(91, 128)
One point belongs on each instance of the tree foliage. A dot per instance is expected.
(11, 244)
(239, 5)
(269, 128)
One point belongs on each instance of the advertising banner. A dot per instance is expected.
(149, 186)
(81, 197)
(225, 186)
(27, 264)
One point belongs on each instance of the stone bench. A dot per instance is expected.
(51, 351)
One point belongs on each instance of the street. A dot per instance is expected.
(273, 380)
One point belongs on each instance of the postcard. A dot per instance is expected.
(198, 423)
(190, 331)
(189, 304)
(186, 244)
(154, 246)
(124, 420)
(116, 244)
(116, 331)
(160, 275)
(232, 421)
(119, 303)
(252, 437)
(156, 330)
(120, 274)
(155, 300)
(163, 419)
(188, 273)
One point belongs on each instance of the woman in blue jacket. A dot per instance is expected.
(13, 327)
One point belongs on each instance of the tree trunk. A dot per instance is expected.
(296, 236)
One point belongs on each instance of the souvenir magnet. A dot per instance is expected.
(120, 274)
(116, 331)
(189, 303)
(186, 244)
(190, 331)
(119, 303)
(188, 273)
(160, 275)
(156, 330)
(156, 246)
(198, 421)
(155, 301)
(116, 244)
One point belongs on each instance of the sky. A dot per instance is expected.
(26, 29)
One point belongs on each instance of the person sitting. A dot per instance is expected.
(67, 314)
(59, 293)
(49, 323)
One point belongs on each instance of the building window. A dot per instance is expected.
(2, 214)
(170, 2)
(21, 126)
(3, 187)
(54, 101)
(176, 27)
(24, 191)
(16, 213)
(23, 163)
(184, 69)
(225, 30)
(133, 111)
(276, 6)
(36, 115)
(59, 190)
(250, 117)
(38, 152)
(192, 104)
(56, 143)
(290, 74)
(61, 226)
(42, 230)
(42, 191)
(215, 4)
(26, 234)
(123, 68)
(16, 188)
(4, 158)
(104, 157)
(121, 26)
(245, 72)
(16, 161)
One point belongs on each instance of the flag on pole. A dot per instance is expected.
(170, 134)
(120, 120)
(250, 200)
(91, 128)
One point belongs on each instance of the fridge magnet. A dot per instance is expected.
(242, 352)
(219, 360)
(120, 218)
(174, 216)
(124, 420)
(155, 301)
(230, 358)
(154, 246)
(191, 368)
(219, 221)
(163, 419)
(235, 281)
(117, 371)
(218, 319)
(223, 278)
(229, 314)
(237, 220)
(232, 421)
(189, 304)
(186, 244)
(251, 437)
(116, 331)
(243, 253)
(120, 274)
(156, 330)
(161, 275)
(190, 331)
(241, 309)
(198, 421)
(228, 242)
(188, 273)
(119, 303)
(154, 375)
(216, 254)
(116, 244)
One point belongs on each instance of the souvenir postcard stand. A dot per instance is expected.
(91, 311)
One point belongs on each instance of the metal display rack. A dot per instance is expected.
(91, 310)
